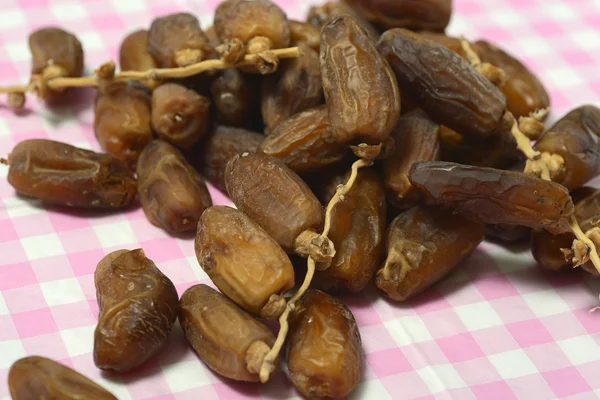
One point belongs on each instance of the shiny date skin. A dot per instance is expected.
(65, 175)
(138, 307)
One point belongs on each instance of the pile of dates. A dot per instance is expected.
(378, 82)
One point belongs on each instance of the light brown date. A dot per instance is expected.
(306, 34)
(55, 53)
(133, 53)
(138, 307)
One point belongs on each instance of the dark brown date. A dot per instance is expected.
(122, 120)
(180, 115)
(320, 15)
(360, 88)
(247, 19)
(305, 142)
(274, 196)
(306, 34)
(138, 307)
(507, 233)
(62, 174)
(134, 55)
(447, 87)
(357, 231)
(176, 40)
(494, 196)
(575, 138)
(324, 347)
(295, 87)
(450, 42)
(221, 146)
(424, 245)
(172, 193)
(223, 336)
(55, 53)
(41, 378)
(411, 14)
(417, 138)
(242, 260)
(234, 95)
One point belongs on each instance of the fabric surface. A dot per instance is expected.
(497, 328)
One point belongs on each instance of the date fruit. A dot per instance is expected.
(180, 115)
(41, 378)
(122, 120)
(575, 137)
(320, 15)
(295, 87)
(360, 88)
(225, 338)
(305, 142)
(444, 85)
(305, 34)
(65, 175)
(242, 260)
(357, 230)
(494, 196)
(417, 138)
(138, 307)
(508, 233)
(277, 199)
(172, 193)
(55, 53)
(134, 55)
(234, 95)
(424, 245)
(431, 15)
(324, 347)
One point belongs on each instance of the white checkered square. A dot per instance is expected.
(513, 364)
(545, 302)
(11, 351)
(63, 291)
(185, 375)
(478, 315)
(408, 330)
(440, 378)
(580, 350)
(115, 234)
(78, 341)
(42, 246)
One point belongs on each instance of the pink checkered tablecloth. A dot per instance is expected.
(498, 328)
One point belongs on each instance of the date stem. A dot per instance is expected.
(582, 237)
(268, 364)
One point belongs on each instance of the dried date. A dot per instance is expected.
(65, 175)
(303, 33)
(234, 95)
(138, 307)
(134, 55)
(320, 15)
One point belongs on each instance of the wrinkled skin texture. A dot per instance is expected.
(172, 193)
(174, 33)
(220, 332)
(320, 15)
(575, 138)
(444, 85)
(246, 19)
(54, 46)
(360, 89)
(180, 115)
(305, 34)
(133, 54)
(450, 42)
(357, 231)
(122, 120)
(546, 247)
(270, 193)
(423, 246)
(412, 14)
(305, 142)
(494, 196)
(234, 95)
(295, 87)
(241, 259)
(222, 145)
(138, 307)
(417, 138)
(65, 175)
(324, 347)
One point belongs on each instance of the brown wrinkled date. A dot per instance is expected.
(447, 87)
(424, 245)
(360, 89)
(222, 145)
(243, 261)
(305, 142)
(494, 196)
(275, 197)
(320, 15)
(65, 175)
(508, 233)
(138, 307)
(324, 350)
(41, 378)
(176, 40)
(134, 55)
(227, 339)
(417, 138)
(295, 87)
(234, 96)
(180, 115)
(357, 231)
(575, 137)
(412, 14)
(172, 193)
(122, 120)
(303, 33)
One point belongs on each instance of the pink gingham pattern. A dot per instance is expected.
(497, 328)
